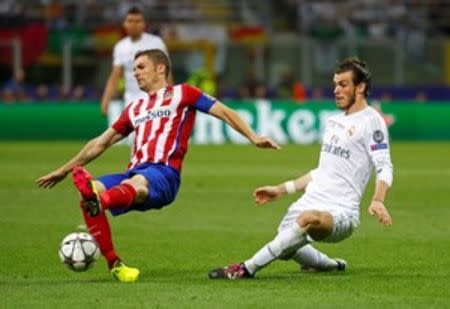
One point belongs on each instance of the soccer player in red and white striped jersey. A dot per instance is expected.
(162, 122)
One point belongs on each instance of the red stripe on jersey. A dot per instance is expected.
(175, 133)
(185, 129)
(135, 114)
(152, 145)
(148, 125)
(137, 107)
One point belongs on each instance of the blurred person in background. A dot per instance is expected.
(290, 88)
(123, 56)
(79, 93)
(55, 15)
(64, 93)
(42, 93)
(317, 93)
(14, 90)
(261, 91)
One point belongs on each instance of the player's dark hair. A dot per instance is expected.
(157, 56)
(134, 10)
(360, 70)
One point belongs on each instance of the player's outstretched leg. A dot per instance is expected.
(99, 228)
(85, 184)
(311, 259)
(285, 243)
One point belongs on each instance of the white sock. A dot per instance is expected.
(310, 256)
(287, 240)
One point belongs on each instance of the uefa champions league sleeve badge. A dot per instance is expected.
(378, 136)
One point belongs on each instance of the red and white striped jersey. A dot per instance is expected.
(162, 124)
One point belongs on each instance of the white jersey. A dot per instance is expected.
(123, 55)
(352, 145)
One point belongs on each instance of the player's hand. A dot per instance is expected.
(377, 208)
(266, 142)
(267, 194)
(51, 179)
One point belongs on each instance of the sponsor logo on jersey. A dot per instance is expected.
(152, 114)
(336, 150)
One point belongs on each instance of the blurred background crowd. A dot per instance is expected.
(60, 50)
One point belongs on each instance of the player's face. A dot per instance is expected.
(134, 24)
(146, 73)
(344, 90)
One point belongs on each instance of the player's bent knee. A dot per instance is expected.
(141, 194)
(140, 184)
(99, 186)
(308, 219)
(317, 224)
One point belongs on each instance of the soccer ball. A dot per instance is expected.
(78, 251)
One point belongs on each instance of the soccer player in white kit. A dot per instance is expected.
(353, 144)
(123, 59)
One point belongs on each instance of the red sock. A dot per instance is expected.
(118, 197)
(99, 228)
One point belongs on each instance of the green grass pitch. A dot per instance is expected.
(214, 222)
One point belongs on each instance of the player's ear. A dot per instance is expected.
(360, 88)
(161, 68)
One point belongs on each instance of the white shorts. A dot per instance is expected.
(344, 220)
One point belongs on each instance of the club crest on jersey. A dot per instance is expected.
(168, 95)
(351, 131)
(152, 114)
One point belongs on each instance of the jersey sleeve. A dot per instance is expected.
(117, 56)
(123, 125)
(377, 145)
(197, 99)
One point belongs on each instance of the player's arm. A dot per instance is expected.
(232, 118)
(111, 87)
(90, 151)
(271, 193)
(377, 204)
(378, 148)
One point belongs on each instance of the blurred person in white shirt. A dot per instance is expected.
(123, 57)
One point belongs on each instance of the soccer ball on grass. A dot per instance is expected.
(78, 251)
